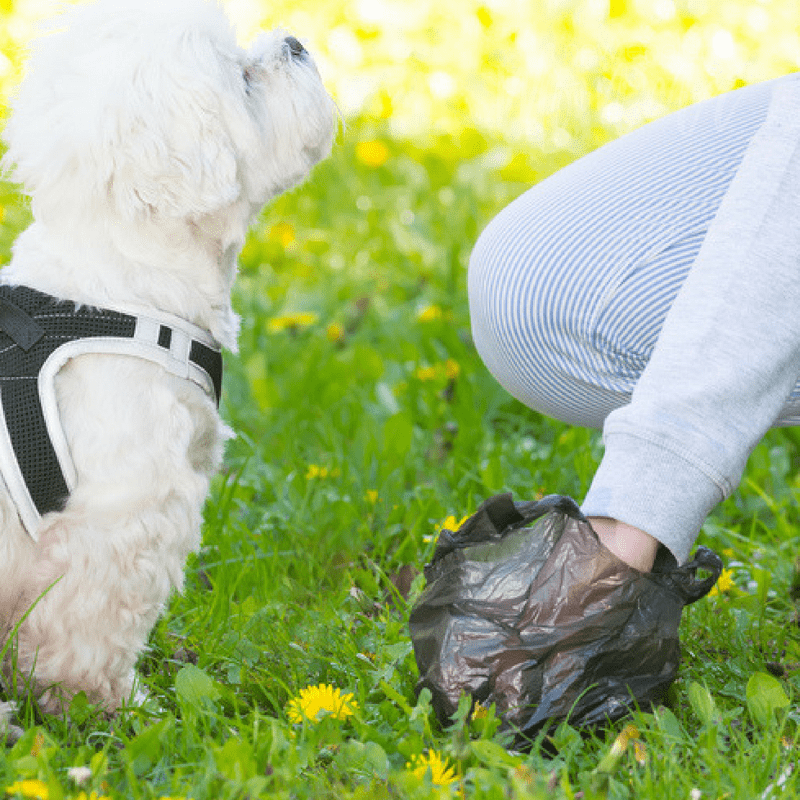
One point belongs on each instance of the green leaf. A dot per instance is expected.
(493, 754)
(235, 760)
(80, 709)
(149, 746)
(396, 697)
(365, 758)
(765, 696)
(195, 688)
(703, 703)
(669, 725)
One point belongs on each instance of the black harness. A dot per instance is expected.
(38, 335)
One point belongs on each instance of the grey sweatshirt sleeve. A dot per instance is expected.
(727, 357)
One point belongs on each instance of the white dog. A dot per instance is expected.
(148, 141)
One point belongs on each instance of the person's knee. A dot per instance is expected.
(517, 299)
(531, 313)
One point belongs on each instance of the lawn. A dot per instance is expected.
(365, 419)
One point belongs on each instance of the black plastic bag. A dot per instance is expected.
(525, 608)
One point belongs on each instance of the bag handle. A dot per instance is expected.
(691, 588)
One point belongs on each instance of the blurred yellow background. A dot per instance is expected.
(554, 74)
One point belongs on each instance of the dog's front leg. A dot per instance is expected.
(99, 594)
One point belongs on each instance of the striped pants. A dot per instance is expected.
(570, 287)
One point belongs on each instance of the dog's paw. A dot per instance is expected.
(9, 733)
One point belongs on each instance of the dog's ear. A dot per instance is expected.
(135, 121)
(173, 153)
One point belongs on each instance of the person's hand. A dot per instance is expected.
(631, 545)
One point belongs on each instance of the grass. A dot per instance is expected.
(364, 418)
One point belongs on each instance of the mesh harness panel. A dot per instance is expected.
(38, 335)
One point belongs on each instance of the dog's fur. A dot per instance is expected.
(148, 141)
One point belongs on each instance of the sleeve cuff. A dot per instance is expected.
(646, 485)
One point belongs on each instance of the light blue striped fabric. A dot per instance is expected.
(569, 285)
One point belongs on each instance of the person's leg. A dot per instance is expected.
(571, 284)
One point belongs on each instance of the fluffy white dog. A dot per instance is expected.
(148, 141)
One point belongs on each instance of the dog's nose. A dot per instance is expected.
(295, 48)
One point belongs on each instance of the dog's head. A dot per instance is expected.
(149, 108)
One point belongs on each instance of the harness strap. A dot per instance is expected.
(38, 335)
(23, 330)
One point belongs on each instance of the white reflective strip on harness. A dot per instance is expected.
(15, 482)
(176, 358)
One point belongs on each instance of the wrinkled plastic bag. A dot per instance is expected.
(525, 608)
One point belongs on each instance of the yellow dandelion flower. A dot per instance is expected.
(372, 153)
(316, 471)
(629, 733)
(617, 8)
(31, 789)
(480, 711)
(484, 17)
(433, 764)
(283, 233)
(452, 369)
(372, 496)
(724, 583)
(335, 332)
(524, 773)
(38, 744)
(315, 702)
(426, 374)
(385, 105)
(430, 313)
(609, 762)
(302, 319)
(451, 524)
(449, 370)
